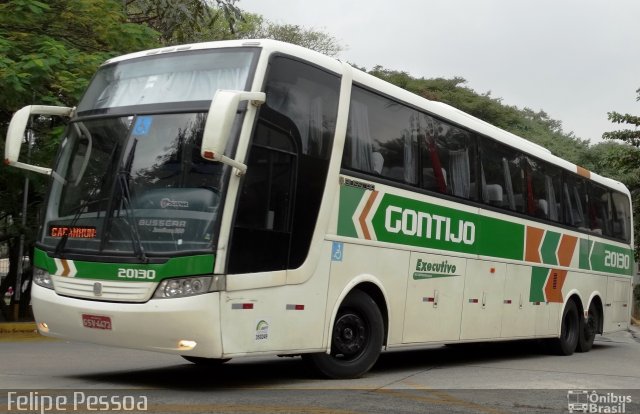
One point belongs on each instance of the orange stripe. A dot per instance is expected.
(65, 268)
(583, 171)
(532, 248)
(553, 288)
(365, 212)
(566, 249)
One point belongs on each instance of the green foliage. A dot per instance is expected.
(48, 52)
(292, 33)
(624, 162)
(180, 21)
(630, 136)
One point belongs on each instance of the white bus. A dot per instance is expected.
(241, 198)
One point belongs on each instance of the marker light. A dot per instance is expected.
(42, 278)
(186, 345)
(43, 327)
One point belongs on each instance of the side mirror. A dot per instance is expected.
(16, 130)
(219, 122)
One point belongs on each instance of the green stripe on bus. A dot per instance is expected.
(585, 249)
(415, 223)
(538, 280)
(349, 199)
(174, 267)
(612, 259)
(549, 248)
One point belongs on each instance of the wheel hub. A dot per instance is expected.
(349, 335)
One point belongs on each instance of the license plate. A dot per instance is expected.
(96, 321)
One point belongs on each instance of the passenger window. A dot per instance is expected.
(621, 225)
(381, 139)
(502, 176)
(447, 158)
(543, 190)
(574, 196)
(600, 210)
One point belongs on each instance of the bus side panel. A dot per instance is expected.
(361, 263)
(520, 315)
(434, 298)
(616, 306)
(483, 300)
(279, 319)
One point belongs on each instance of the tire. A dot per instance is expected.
(356, 340)
(205, 362)
(567, 343)
(588, 329)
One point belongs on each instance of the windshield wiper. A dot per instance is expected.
(123, 181)
(79, 210)
(88, 202)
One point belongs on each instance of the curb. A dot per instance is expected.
(17, 327)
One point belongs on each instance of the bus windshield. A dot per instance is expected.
(132, 181)
(171, 78)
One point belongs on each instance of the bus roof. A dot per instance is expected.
(436, 108)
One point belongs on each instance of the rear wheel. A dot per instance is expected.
(569, 331)
(588, 329)
(205, 362)
(356, 340)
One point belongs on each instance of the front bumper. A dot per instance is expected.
(157, 325)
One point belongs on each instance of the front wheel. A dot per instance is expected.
(356, 340)
(569, 331)
(588, 329)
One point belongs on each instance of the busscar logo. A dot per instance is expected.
(169, 203)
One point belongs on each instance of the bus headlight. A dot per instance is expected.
(42, 278)
(188, 286)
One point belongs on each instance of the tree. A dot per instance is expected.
(180, 21)
(625, 162)
(298, 35)
(630, 136)
(48, 53)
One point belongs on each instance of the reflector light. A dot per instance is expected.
(473, 300)
(209, 155)
(186, 345)
(507, 301)
(295, 307)
(428, 299)
(242, 306)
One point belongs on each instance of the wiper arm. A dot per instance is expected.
(63, 240)
(89, 201)
(123, 181)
